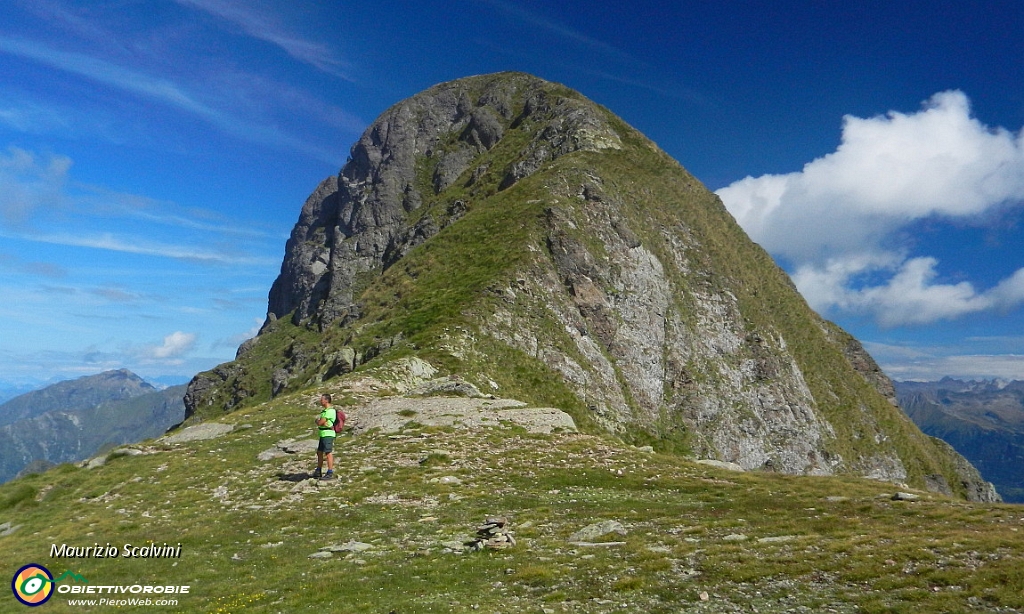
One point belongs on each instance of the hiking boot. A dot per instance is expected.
(317, 473)
(328, 476)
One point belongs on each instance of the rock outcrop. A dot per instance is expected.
(510, 231)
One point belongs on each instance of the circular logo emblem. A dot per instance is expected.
(32, 585)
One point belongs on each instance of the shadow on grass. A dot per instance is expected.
(294, 477)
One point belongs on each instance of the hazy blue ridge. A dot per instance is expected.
(73, 420)
(982, 420)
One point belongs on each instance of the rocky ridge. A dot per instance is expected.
(507, 231)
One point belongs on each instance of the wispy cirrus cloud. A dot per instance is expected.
(145, 247)
(34, 187)
(108, 73)
(518, 13)
(17, 265)
(265, 26)
(159, 89)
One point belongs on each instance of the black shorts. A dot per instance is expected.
(326, 445)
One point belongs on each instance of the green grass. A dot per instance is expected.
(751, 541)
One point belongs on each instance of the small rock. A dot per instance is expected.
(309, 485)
(597, 530)
(322, 554)
(454, 546)
(704, 596)
(446, 479)
(906, 496)
(199, 432)
(127, 452)
(352, 546)
(93, 463)
(720, 464)
(735, 537)
(289, 447)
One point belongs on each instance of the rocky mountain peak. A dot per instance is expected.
(509, 231)
(357, 223)
(77, 394)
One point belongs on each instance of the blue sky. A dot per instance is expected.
(155, 154)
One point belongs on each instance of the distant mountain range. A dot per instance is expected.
(983, 421)
(10, 390)
(73, 420)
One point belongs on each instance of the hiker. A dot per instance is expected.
(325, 449)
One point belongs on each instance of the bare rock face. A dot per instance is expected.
(357, 224)
(598, 259)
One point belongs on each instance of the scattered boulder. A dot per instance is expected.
(906, 496)
(450, 480)
(99, 461)
(596, 531)
(720, 464)
(198, 432)
(349, 546)
(449, 386)
(288, 447)
(94, 463)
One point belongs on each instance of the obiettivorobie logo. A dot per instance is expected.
(33, 585)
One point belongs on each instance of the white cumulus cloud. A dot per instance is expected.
(174, 346)
(838, 220)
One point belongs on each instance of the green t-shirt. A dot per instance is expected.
(331, 416)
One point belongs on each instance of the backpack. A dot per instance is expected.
(339, 420)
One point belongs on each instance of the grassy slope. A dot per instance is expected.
(820, 543)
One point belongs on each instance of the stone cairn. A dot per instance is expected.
(493, 535)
